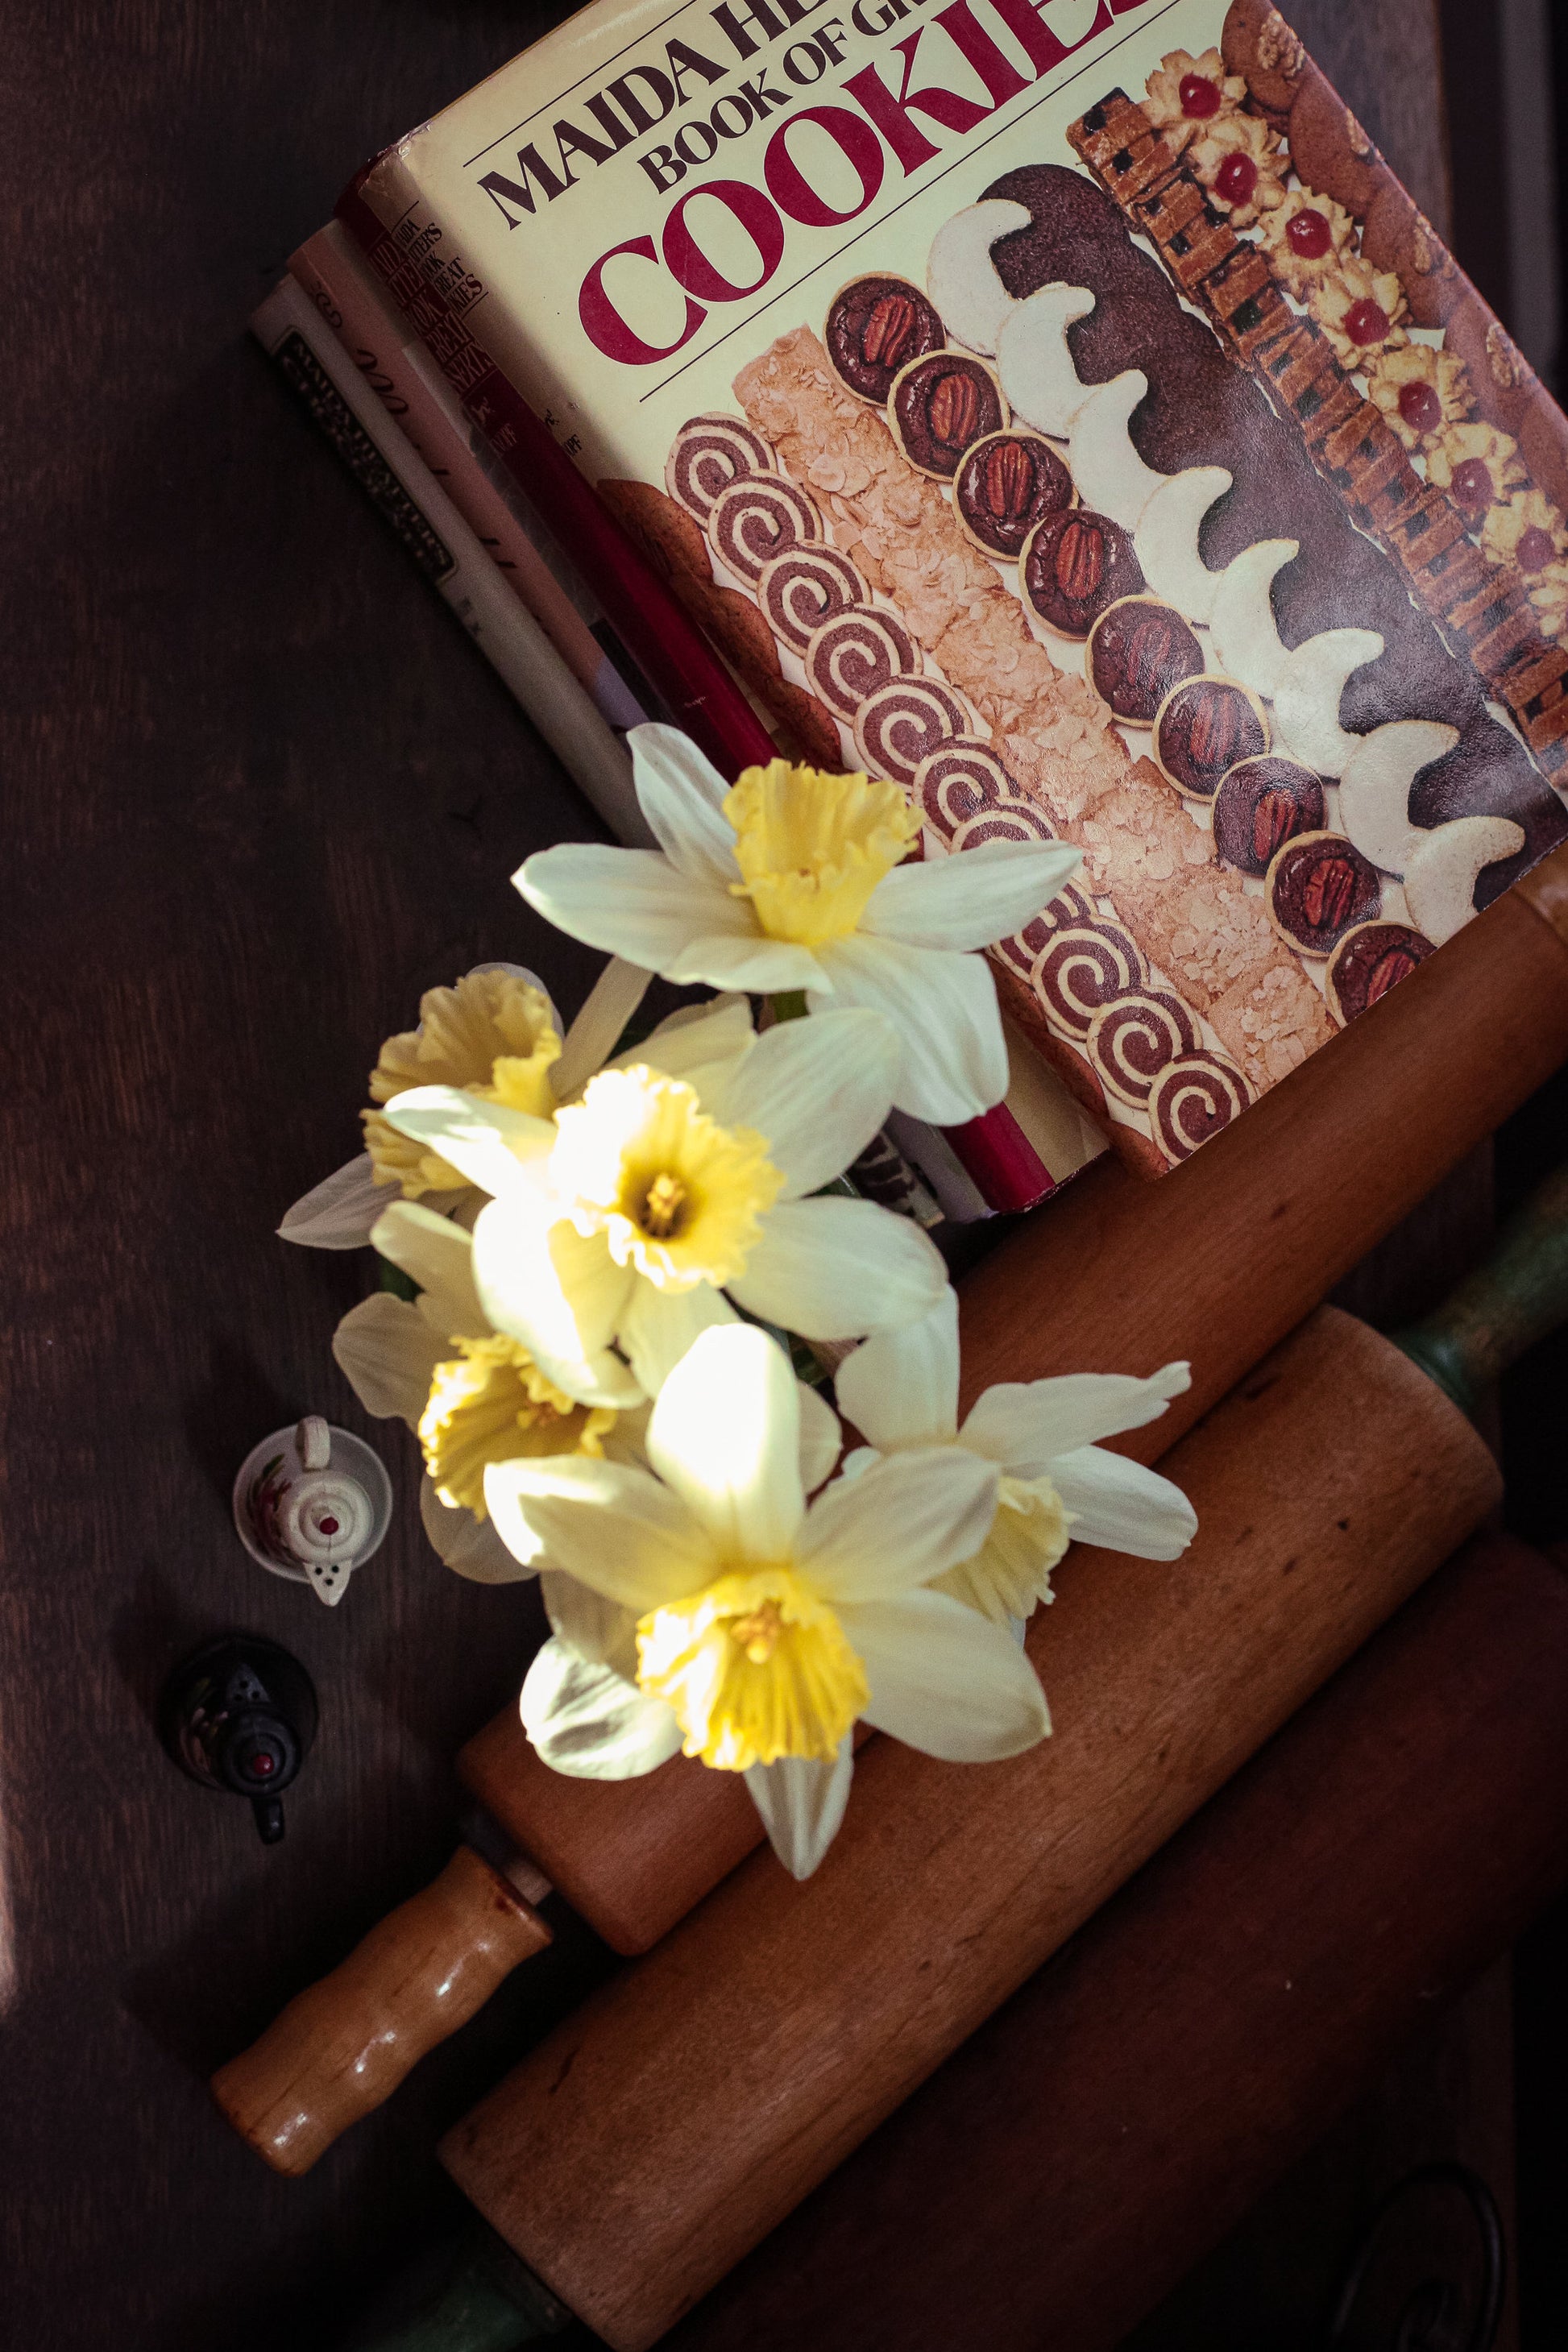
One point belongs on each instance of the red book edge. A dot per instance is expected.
(997, 1156)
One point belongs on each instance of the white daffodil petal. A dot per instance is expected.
(972, 901)
(954, 1063)
(558, 1291)
(660, 1325)
(725, 1436)
(337, 1212)
(900, 1387)
(704, 1050)
(751, 960)
(819, 1090)
(597, 1629)
(820, 1438)
(387, 1352)
(1123, 1505)
(498, 1149)
(439, 1256)
(630, 902)
(946, 1680)
(682, 797)
(606, 1009)
(907, 1518)
(833, 1268)
(589, 1722)
(470, 1546)
(1024, 1425)
(802, 1804)
(609, 1525)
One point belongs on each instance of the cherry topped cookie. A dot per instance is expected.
(877, 326)
(939, 406)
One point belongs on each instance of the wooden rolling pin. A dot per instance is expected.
(661, 2132)
(1128, 2105)
(1215, 1263)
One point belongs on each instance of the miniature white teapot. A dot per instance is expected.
(312, 1503)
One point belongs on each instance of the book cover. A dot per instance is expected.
(1068, 409)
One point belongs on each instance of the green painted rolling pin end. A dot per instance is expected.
(489, 2302)
(1497, 1313)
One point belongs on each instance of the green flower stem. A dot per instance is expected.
(392, 1277)
(789, 1004)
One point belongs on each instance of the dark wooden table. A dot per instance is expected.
(260, 793)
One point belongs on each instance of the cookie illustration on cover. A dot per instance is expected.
(876, 326)
(939, 406)
(1007, 484)
(1157, 485)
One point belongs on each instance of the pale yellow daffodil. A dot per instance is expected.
(494, 1034)
(709, 1607)
(795, 880)
(622, 1228)
(470, 1394)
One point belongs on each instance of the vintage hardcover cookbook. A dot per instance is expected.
(1063, 410)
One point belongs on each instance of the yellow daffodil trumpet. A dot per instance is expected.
(811, 847)
(494, 1036)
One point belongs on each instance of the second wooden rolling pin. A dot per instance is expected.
(1215, 1263)
(1129, 2104)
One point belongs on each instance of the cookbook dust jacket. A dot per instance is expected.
(1062, 410)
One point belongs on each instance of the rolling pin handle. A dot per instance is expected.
(344, 2044)
(1514, 1297)
(490, 2302)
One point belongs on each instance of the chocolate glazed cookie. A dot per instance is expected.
(1202, 410)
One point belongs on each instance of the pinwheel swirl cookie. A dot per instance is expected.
(710, 454)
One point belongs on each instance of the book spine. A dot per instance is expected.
(703, 698)
(419, 400)
(334, 393)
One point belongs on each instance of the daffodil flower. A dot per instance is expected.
(709, 1607)
(470, 1394)
(900, 1390)
(495, 1032)
(795, 880)
(677, 1183)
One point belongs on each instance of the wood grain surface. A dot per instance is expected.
(259, 791)
(1125, 2107)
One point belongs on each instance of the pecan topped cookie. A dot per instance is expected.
(940, 405)
(1007, 483)
(877, 326)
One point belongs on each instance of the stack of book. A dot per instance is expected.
(1058, 409)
